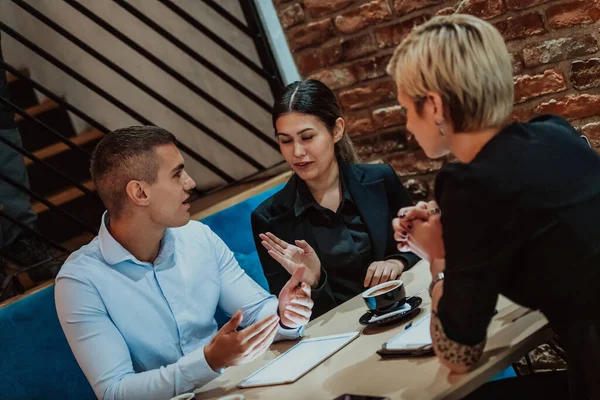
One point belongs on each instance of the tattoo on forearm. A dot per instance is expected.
(451, 351)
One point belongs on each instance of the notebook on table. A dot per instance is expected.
(414, 341)
(299, 360)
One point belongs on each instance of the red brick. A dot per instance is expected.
(573, 13)
(359, 125)
(363, 16)
(446, 11)
(592, 131)
(292, 15)
(552, 51)
(317, 8)
(311, 34)
(364, 150)
(365, 147)
(572, 107)
(359, 46)
(335, 78)
(522, 114)
(312, 59)
(372, 149)
(388, 116)
(308, 61)
(392, 35)
(521, 4)
(585, 74)
(521, 26)
(368, 95)
(404, 7)
(484, 9)
(332, 53)
(387, 146)
(517, 63)
(412, 163)
(371, 68)
(528, 87)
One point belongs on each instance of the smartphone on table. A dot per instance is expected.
(359, 397)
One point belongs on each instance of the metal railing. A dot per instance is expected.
(151, 92)
(108, 97)
(268, 72)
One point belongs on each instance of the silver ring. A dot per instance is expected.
(435, 211)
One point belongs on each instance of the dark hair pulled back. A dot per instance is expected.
(314, 98)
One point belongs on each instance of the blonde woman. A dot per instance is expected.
(520, 210)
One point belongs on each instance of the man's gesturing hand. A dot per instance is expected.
(295, 303)
(231, 347)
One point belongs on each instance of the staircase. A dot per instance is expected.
(211, 103)
(44, 182)
(61, 193)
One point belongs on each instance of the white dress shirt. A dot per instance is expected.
(138, 329)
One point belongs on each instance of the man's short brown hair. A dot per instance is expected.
(122, 156)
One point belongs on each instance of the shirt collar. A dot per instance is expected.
(305, 200)
(114, 253)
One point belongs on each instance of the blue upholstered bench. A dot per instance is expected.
(35, 358)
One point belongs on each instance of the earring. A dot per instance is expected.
(441, 127)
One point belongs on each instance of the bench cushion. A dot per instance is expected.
(35, 358)
(233, 226)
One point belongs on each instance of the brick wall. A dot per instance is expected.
(347, 43)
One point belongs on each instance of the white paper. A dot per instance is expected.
(416, 336)
(298, 360)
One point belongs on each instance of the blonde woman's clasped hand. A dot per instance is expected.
(419, 229)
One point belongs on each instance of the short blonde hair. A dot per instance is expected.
(465, 60)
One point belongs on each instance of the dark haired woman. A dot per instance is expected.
(333, 215)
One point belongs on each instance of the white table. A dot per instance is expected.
(357, 369)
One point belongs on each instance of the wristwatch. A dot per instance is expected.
(436, 279)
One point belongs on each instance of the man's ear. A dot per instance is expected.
(338, 130)
(138, 193)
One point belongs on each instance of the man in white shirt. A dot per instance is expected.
(137, 304)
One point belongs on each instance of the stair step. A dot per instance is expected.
(73, 164)
(78, 241)
(20, 91)
(44, 106)
(28, 284)
(27, 293)
(87, 208)
(62, 197)
(10, 78)
(35, 137)
(60, 147)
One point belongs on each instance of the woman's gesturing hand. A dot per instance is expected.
(291, 257)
